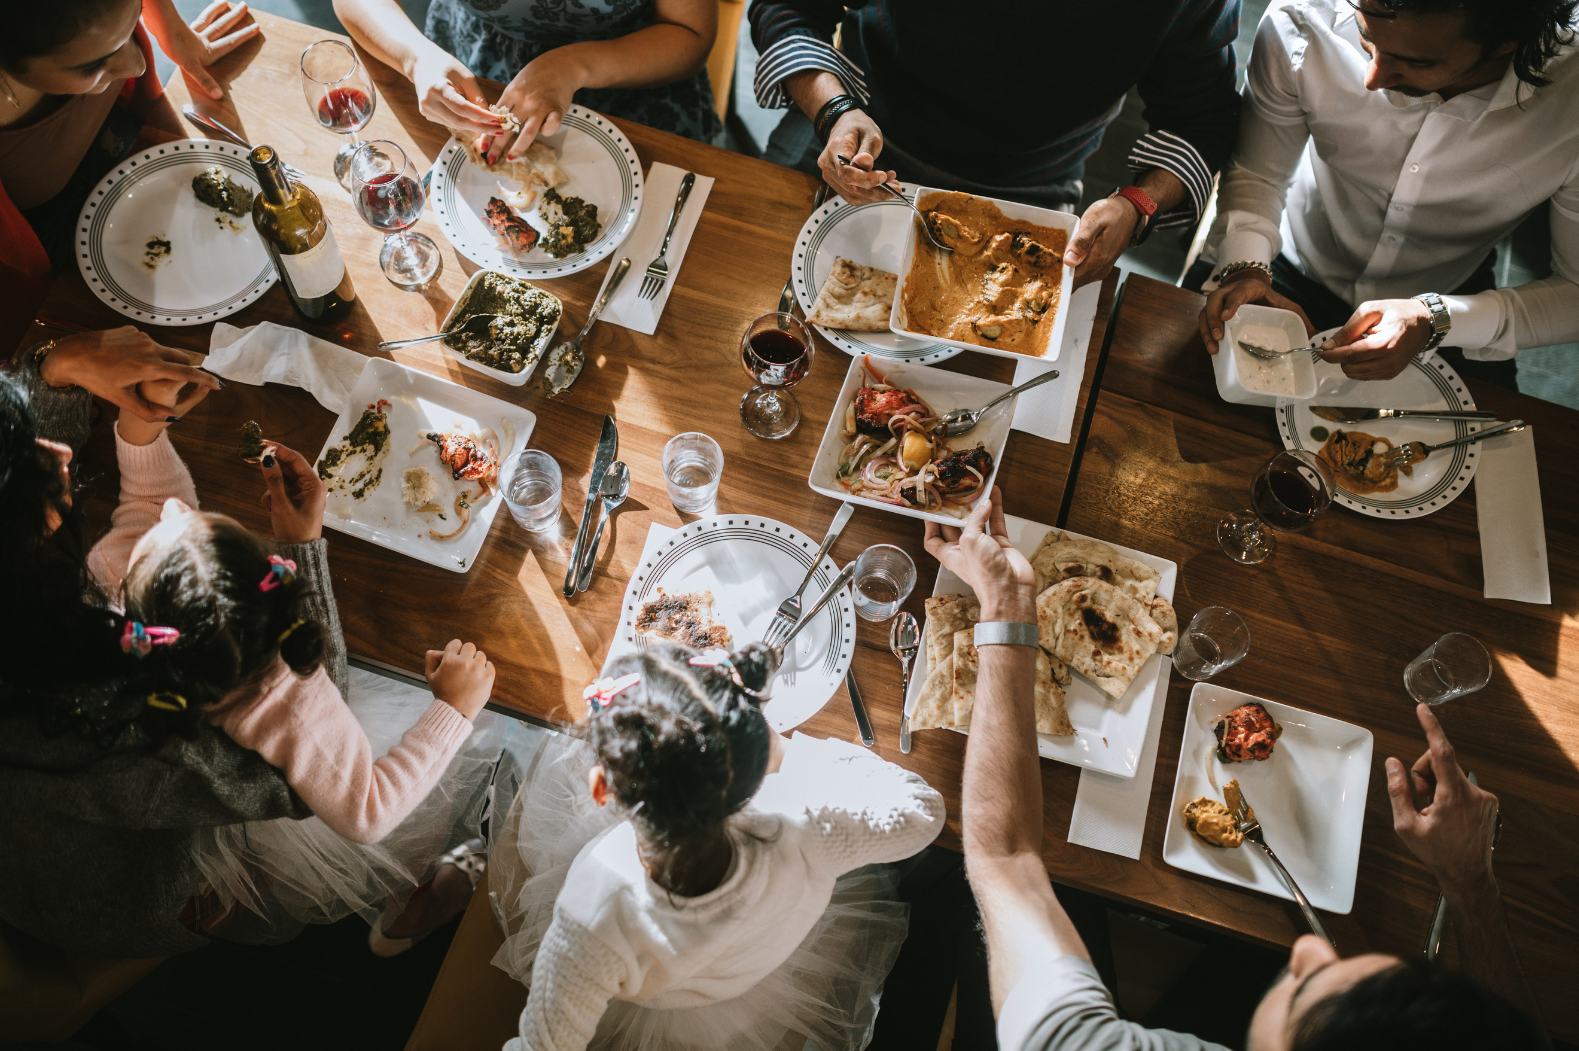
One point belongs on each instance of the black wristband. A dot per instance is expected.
(830, 113)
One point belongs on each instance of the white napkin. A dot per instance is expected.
(1049, 410)
(270, 353)
(1512, 527)
(1110, 812)
(663, 181)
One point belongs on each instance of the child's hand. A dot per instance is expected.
(461, 675)
(163, 394)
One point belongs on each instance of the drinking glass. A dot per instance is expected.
(1450, 667)
(1289, 493)
(531, 484)
(388, 194)
(1215, 641)
(884, 576)
(692, 466)
(777, 352)
(340, 94)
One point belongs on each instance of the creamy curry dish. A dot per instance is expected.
(998, 288)
(1360, 462)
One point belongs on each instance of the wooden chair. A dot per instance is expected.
(721, 62)
(46, 995)
(473, 1005)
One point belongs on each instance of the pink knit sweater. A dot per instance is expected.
(299, 724)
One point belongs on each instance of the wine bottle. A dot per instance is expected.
(290, 220)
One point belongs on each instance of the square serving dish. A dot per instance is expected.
(1231, 364)
(540, 346)
(900, 324)
(942, 391)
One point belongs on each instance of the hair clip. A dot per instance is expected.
(281, 571)
(170, 702)
(718, 658)
(599, 695)
(138, 638)
(287, 632)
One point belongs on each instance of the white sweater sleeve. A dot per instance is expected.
(574, 977)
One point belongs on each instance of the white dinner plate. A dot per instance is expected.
(869, 234)
(216, 264)
(1309, 797)
(751, 564)
(603, 168)
(420, 402)
(1109, 735)
(1437, 481)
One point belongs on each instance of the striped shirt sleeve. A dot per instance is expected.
(796, 54)
(1172, 153)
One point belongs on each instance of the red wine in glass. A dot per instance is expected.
(391, 202)
(1285, 499)
(781, 358)
(776, 351)
(344, 109)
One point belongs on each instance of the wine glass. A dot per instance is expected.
(1289, 493)
(340, 94)
(389, 196)
(777, 352)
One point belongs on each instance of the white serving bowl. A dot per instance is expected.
(1227, 361)
(514, 379)
(900, 324)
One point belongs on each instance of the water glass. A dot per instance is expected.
(1450, 667)
(531, 484)
(692, 466)
(1215, 641)
(884, 576)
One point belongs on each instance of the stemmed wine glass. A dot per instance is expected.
(388, 194)
(340, 94)
(1289, 493)
(777, 352)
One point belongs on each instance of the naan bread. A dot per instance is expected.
(935, 704)
(966, 664)
(1051, 718)
(948, 698)
(536, 169)
(1060, 558)
(1167, 619)
(947, 614)
(1098, 630)
(854, 297)
(686, 618)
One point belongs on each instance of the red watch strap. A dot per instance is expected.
(1140, 199)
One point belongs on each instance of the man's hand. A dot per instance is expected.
(114, 362)
(1244, 286)
(460, 675)
(447, 93)
(539, 96)
(210, 37)
(1105, 232)
(295, 496)
(1445, 821)
(858, 139)
(1380, 338)
(979, 553)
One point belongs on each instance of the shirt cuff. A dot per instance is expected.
(1244, 245)
(155, 457)
(1171, 153)
(1044, 986)
(1476, 321)
(447, 726)
(796, 54)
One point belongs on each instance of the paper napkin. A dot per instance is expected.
(1512, 526)
(1049, 410)
(1110, 812)
(270, 353)
(627, 308)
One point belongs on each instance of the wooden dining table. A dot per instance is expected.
(1156, 456)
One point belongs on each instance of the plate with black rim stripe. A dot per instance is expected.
(150, 249)
(603, 169)
(1435, 482)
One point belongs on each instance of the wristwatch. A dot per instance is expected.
(1006, 633)
(1144, 205)
(1441, 320)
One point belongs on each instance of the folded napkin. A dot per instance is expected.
(1110, 812)
(1049, 410)
(270, 353)
(628, 309)
(1512, 527)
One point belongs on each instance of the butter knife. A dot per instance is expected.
(608, 445)
(861, 720)
(1339, 414)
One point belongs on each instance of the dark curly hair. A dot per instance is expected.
(37, 29)
(683, 749)
(1537, 29)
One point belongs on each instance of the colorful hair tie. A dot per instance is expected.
(138, 638)
(170, 702)
(287, 632)
(281, 571)
(599, 695)
(720, 658)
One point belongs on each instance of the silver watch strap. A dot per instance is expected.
(1441, 320)
(1006, 633)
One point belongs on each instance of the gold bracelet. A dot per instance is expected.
(38, 362)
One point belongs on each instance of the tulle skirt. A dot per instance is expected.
(826, 991)
(281, 875)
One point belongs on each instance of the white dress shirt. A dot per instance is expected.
(1384, 196)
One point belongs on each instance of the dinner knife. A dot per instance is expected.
(608, 445)
(861, 720)
(1339, 414)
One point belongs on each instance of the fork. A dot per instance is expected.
(925, 225)
(1244, 821)
(658, 269)
(788, 613)
(1410, 453)
(295, 174)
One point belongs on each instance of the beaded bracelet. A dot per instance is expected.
(830, 113)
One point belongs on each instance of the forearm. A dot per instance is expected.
(64, 413)
(1163, 187)
(383, 28)
(1485, 944)
(648, 58)
(811, 89)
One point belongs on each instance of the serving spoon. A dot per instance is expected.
(924, 224)
(958, 421)
(565, 361)
(476, 325)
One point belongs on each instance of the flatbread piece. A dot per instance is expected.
(686, 618)
(1098, 630)
(1061, 558)
(854, 297)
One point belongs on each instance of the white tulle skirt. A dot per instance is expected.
(284, 874)
(827, 990)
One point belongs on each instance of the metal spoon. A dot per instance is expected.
(615, 488)
(210, 124)
(1257, 351)
(924, 224)
(904, 638)
(958, 421)
(565, 361)
(476, 325)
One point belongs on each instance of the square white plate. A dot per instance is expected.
(899, 323)
(943, 391)
(1109, 735)
(1309, 797)
(420, 402)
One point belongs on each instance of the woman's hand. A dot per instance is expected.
(447, 93)
(857, 138)
(163, 393)
(113, 363)
(539, 96)
(460, 675)
(210, 37)
(979, 553)
(295, 496)
(1244, 286)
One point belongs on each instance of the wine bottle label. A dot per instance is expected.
(317, 271)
